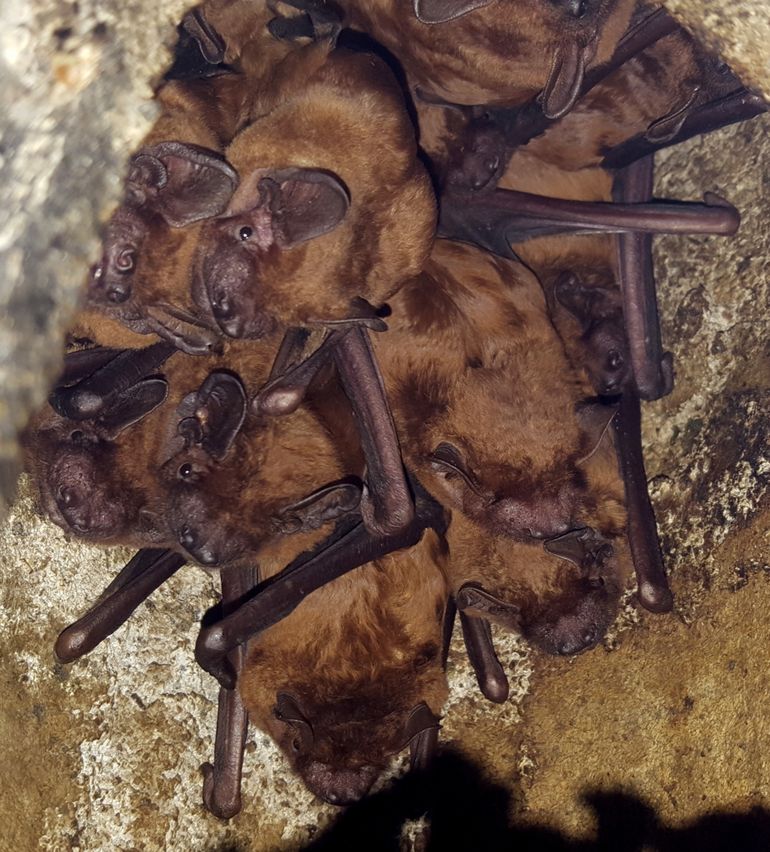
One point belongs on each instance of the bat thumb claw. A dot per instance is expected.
(222, 807)
(655, 598)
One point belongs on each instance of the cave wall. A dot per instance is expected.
(104, 754)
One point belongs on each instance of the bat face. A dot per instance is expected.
(603, 343)
(234, 484)
(142, 278)
(377, 675)
(562, 598)
(251, 253)
(88, 483)
(76, 492)
(340, 748)
(507, 460)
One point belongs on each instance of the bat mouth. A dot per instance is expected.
(339, 786)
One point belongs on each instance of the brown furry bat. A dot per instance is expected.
(236, 480)
(560, 607)
(502, 53)
(317, 222)
(177, 179)
(355, 673)
(107, 480)
(484, 398)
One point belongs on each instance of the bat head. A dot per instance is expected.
(86, 470)
(555, 42)
(603, 344)
(142, 278)
(259, 238)
(230, 483)
(562, 599)
(512, 463)
(375, 684)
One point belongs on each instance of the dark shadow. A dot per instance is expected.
(466, 811)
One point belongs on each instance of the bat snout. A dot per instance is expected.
(339, 786)
(192, 541)
(539, 519)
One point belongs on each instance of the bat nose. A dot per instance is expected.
(119, 292)
(67, 498)
(339, 786)
(190, 541)
(221, 306)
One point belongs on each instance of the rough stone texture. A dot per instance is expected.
(77, 82)
(103, 755)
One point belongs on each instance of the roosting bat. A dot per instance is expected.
(484, 399)
(317, 224)
(89, 451)
(177, 179)
(355, 673)
(318, 233)
(503, 53)
(562, 599)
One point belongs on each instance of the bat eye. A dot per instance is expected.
(296, 744)
(245, 233)
(76, 436)
(186, 470)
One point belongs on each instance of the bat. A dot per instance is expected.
(376, 684)
(461, 50)
(490, 415)
(87, 448)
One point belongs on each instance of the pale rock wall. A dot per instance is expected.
(103, 755)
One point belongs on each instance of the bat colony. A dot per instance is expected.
(379, 296)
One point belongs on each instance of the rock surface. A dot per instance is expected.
(104, 754)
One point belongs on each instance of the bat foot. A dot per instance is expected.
(223, 807)
(655, 598)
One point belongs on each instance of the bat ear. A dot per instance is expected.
(473, 600)
(219, 409)
(595, 419)
(132, 405)
(83, 363)
(183, 183)
(304, 203)
(576, 298)
(209, 42)
(326, 504)
(584, 547)
(439, 11)
(566, 77)
(448, 458)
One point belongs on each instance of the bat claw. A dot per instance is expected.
(212, 795)
(383, 520)
(655, 598)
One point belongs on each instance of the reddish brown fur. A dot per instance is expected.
(472, 359)
(657, 82)
(206, 113)
(553, 604)
(333, 119)
(357, 655)
(499, 54)
(275, 462)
